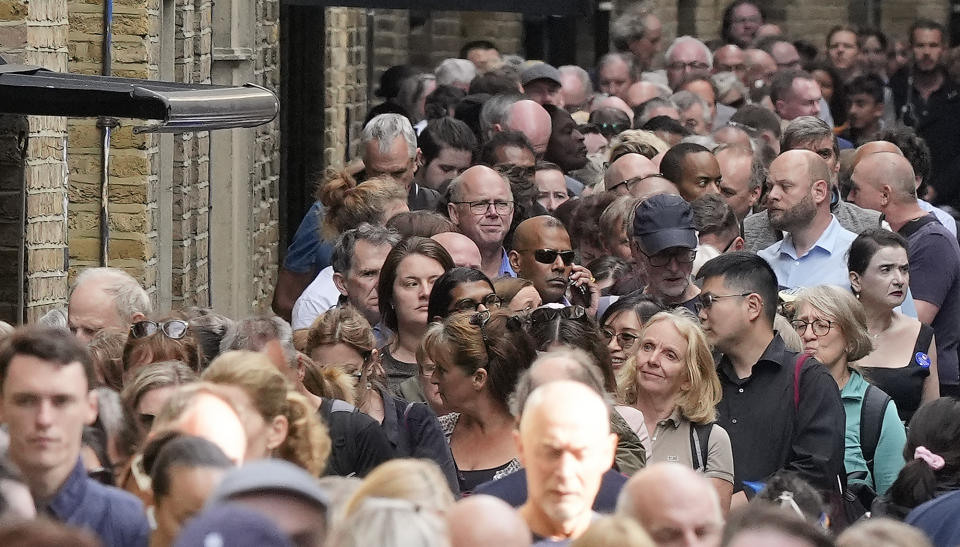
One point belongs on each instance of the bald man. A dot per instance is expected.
(105, 298)
(565, 444)
(628, 170)
(873, 147)
(641, 92)
(481, 207)
(576, 365)
(730, 58)
(542, 253)
(532, 120)
(885, 181)
(814, 248)
(462, 249)
(675, 505)
(760, 67)
(479, 521)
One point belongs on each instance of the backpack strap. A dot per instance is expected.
(700, 444)
(872, 409)
(801, 359)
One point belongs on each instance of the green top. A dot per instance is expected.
(888, 458)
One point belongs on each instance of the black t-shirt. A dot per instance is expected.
(357, 442)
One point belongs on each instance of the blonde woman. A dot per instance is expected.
(673, 381)
(279, 422)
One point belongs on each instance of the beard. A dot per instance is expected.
(795, 217)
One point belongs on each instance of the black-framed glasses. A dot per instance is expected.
(491, 302)
(548, 256)
(692, 65)
(625, 340)
(545, 314)
(820, 326)
(633, 180)
(685, 256)
(707, 300)
(173, 328)
(501, 207)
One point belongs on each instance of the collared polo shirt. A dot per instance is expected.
(671, 443)
(824, 263)
(114, 515)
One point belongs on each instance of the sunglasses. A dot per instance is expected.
(631, 181)
(624, 339)
(174, 329)
(491, 302)
(548, 256)
(685, 256)
(543, 315)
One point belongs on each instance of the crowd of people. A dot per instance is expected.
(698, 294)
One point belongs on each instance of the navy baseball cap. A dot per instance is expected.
(663, 221)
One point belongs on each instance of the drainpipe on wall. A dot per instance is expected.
(106, 126)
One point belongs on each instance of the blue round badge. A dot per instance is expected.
(922, 359)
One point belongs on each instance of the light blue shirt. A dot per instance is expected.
(505, 269)
(824, 263)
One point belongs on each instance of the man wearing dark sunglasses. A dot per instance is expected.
(664, 244)
(542, 253)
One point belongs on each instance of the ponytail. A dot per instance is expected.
(308, 442)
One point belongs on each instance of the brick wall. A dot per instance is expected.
(35, 33)
(345, 78)
(265, 172)
(134, 158)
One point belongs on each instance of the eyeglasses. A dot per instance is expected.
(661, 259)
(480, 207)
(491, 302)
(820, 326)
(548, 256)
(693, 65)
(631, 181)
(707, 299)
(174, 329)
(546, 314)
(624, 339)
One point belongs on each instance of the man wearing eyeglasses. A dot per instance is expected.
(781, 411)
(687, 56)
(542, 254)
(46, 399)
(664, 244)
(105, 298)
(635, 175)
(481, 207)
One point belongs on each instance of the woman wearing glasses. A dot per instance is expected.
(622, 322)
(834, 331)
(343, 338)
(478, 358)
(462, 289)
(168, 339)
(403, 293)
(879, 276)
(673, 381)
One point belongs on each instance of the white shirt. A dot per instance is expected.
(319, 296)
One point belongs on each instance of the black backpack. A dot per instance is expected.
(700, 444)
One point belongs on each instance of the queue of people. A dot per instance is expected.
(705, 296)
